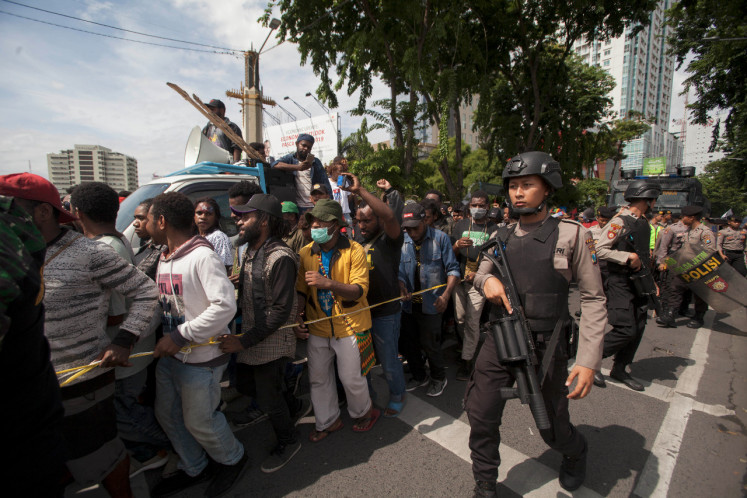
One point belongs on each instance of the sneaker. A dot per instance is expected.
(414, 383)
(178, 482)
(159, 460)
(226, 476)
(248, 417)
(304, 408)
(279, 456)
(172, 465)
(436, 387)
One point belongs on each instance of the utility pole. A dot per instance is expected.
(250, 92)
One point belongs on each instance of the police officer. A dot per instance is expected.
(544, 254)
(730, 243)
(671, 240)
(696, 233)
(624, 245)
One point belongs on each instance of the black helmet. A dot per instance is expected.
(533, 163)
(642, 189)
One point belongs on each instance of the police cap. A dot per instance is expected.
(692, 210)
(607, 212)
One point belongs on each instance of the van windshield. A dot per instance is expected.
(127, 208)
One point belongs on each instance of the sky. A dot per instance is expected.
(60, 87)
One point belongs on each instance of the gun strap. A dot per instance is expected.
(551, 345)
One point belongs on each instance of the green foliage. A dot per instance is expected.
(384, 163)
(592, 192)
(725, 185)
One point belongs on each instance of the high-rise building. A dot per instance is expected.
(698, 140)
(643, 73)
(466, 122)
(89, 163)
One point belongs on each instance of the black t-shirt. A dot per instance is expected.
(479, 235)
(383, 270)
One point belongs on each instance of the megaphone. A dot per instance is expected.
(200, 148)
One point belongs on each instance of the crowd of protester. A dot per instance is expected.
(376, 280)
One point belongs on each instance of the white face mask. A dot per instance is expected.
(478, 213)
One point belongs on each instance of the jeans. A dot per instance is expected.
(266, 384)
(137, 422)
(385, 331)
(186, 397)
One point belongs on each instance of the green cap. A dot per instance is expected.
(290, 207)
(326, 210)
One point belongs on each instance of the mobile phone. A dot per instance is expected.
(344, 182)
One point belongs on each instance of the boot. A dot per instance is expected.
(661, 319)
(573, 470)
(618, 373)
(484, 489)
(696, 322)
(667, 320)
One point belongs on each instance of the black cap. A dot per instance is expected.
(216, 103)
(733, 217)
(261, 202)
(318, 187)
(606, 212)
(692, 210)
(412, 215)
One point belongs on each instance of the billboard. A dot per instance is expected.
(323, 128)
(654, 166)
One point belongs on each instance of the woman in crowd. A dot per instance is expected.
(207, 219)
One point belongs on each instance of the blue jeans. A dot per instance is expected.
(136, 422)
(186, 397)
(385, 331)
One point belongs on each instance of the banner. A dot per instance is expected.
(323, 128)
(654, 166)
(705, 273)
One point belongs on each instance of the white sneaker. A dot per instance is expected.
(159, 460)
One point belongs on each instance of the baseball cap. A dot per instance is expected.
(318, 187)
(216, 103)
(326, 210)
(266, 203)
(412, 215)
(290, 207)
(33, 187)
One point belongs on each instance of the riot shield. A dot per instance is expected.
(705, 273)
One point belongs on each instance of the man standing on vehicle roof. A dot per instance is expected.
(217, 136)
(307, 169)
(624, 245)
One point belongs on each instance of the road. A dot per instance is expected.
(683, 436)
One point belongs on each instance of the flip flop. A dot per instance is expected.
(317, 436)
(369, 421)
(394, 408)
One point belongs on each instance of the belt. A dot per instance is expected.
(734, 251)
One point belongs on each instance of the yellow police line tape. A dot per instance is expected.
(76, 372)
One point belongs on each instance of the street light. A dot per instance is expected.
(274, 24)
(292, 116)
(277, 121)
(298, 105)
(324, 107)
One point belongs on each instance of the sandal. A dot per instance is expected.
(317, 436)
(366, 423)
(394, 408)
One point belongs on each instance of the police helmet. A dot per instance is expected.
(533, 163)
(642, 189)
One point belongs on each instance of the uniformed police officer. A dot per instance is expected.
(731, 242)
(696, 233)
(544, 254)
(624, 245)
(671, 240)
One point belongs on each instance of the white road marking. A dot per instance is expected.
(657, 472)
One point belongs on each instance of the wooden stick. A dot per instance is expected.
(217, 121)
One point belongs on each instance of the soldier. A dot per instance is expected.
(731, 242)
(671, 240)
(624, 245)
(544, 254)
(696, 233)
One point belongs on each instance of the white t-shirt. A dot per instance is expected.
(303, 188)
(341, 196)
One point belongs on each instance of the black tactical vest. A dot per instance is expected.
(542, 289)
(635, 237)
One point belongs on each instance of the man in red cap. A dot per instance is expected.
(79, 277)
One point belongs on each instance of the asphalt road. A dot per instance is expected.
(683, 436)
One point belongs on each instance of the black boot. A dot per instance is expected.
(618, 373)
(661, 319)
(484, 489)
(696, 322)
(573, 470)
(464, 371)
(667, 320)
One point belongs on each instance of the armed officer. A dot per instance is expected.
(731, 241)
(544, 254)
(624, 245)
(671, 240)
(696, 234)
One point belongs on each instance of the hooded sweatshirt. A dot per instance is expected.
(198, 300)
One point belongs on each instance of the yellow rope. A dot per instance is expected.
(82, 370)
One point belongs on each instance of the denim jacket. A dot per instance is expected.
(318, 175)
(437, 261)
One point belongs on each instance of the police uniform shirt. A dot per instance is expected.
(609, 237)
(596, 232)
(575, 258)
(731, 240)
(671, 240)
(701, 234)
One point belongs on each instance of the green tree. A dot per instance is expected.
(592, 192)
(725, 185)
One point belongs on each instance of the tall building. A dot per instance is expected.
(698, 139)
(467, 120)
(89, 163)
(643, 74)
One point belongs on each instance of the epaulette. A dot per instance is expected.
(573, 222)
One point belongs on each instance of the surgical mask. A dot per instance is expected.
(478, 213)
(320, 235)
